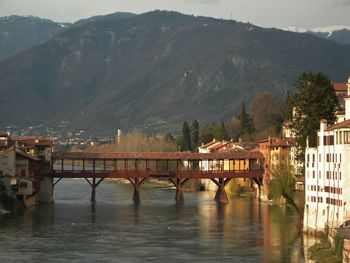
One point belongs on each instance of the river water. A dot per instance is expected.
(157, 230)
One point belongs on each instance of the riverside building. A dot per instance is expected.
(327, 175)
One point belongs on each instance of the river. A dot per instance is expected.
(157, 230)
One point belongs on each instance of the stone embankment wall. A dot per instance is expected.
(334, 234)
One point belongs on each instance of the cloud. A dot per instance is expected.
(205, 2)
(342, 2)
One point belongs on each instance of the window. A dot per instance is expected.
(346, 137)
(23, 185)
(340, 138)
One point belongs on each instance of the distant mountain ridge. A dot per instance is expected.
(340, 34)
(18, 33)
(155, 70)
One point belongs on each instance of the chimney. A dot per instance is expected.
(119, 134)
(323, 125)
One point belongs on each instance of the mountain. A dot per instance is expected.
(18, 33)
(340, 34)
(115, 16)
(155, 70)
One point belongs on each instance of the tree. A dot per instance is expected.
(186, 135)
(314, 99)
(243, 119)
(206, 134)
(195, 135)
(224, 135)
(246, 124)
(282, 185)
(268, 114)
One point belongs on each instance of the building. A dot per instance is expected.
(20, 174)
(39, 147)
(25, 167)
(225, 146)
(341, 90)
(278, 152)
(327, 170)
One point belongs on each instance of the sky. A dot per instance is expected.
(267, 13)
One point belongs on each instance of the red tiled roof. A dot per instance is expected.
(340, 87)
(219, 145)
(4, 134)
(340, 125)
(279, 141)
(284, 141)
(208, 144)
(159, 156)
(20, 153)
(31, 141)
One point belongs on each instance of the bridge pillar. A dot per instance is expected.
(136, 184)
(259, 183)
(179, 196)
(93, 191)
(93, 185)
(221, 195)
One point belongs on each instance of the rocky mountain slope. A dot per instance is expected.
(155, 70)
(18, 33)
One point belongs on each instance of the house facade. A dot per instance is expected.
(279, 152)
(35, 146)
(327, 170)
(20, 174)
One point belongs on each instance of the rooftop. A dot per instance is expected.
(340, 87)
(159, 155)
(339, 125)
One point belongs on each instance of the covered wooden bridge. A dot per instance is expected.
(178, 167)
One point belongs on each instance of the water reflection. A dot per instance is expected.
(157, 230)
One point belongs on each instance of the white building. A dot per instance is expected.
(327, 175)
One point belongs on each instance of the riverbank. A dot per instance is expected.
(334, 246)
(323, 253)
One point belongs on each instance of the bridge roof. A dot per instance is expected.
(159, 155)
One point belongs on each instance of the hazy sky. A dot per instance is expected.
(268, 13)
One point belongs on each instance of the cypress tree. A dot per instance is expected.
(194, 135)
(186, 135)
(224, 135)
(243, 119)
